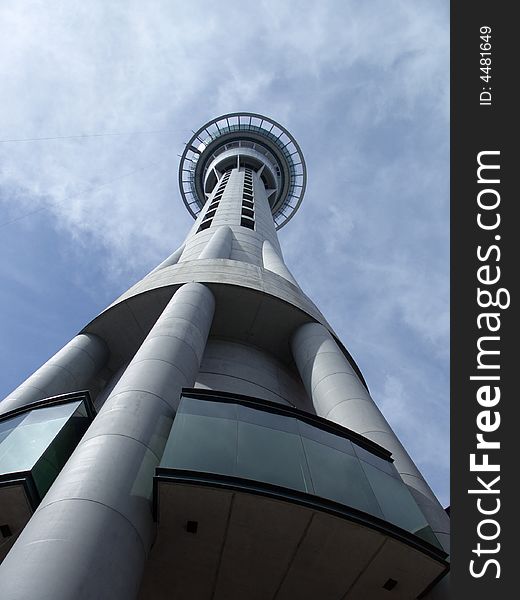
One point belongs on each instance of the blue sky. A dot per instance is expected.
(362, 85)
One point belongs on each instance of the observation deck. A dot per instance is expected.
(245, 140)
(259, 500)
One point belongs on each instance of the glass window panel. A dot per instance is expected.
(202, 443)
(326, 438)
(7, 426)
(209, 408)
(65, 441)
(397, 503)
(51, 413)
(26, 444)
(339, 477)
(376, 461)
(426, 533)
(44, 473)
(272, 456)
(267, 419)
(238, 440)
(58, 452)
(43, 441)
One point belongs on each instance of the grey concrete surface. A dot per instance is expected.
(338, 395)
(273, 262)
(245, 369)
(71, 368)
(232, 272)
(219, 246)
(253, 547)
(91, 534)
(219, 313)
(247, 243)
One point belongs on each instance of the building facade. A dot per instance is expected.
(208, 436)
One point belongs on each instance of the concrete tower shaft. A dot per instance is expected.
(224, 396)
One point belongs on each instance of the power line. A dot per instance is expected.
(86, 135)
(85, 191)
(23, 216)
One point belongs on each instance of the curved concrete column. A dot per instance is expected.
(70, 369)
(274, 263)
(92, 532)
(338, 395)
(173, 259)
(219, 246)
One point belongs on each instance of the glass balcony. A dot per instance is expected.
(283, 449)
(36, 441)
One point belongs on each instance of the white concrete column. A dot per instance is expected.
(263, 215)
(219, 245)
(339, 395)
(69, 370)
(273, 262)
(91, 534)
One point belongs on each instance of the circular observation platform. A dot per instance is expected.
(246, 140)
(254, 499)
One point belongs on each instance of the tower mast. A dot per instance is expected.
(227, 446)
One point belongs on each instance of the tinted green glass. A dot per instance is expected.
(267, 419)
(398, 504)
(202, 443)
(47, 414)
(192, 406)
(426, 533)
(58, 452)
(376, 461)
(326, 438)
(253, 443)
(28, 441)
(272, 456)
(339, 477)
(8, 425)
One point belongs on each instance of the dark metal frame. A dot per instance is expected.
(54, 401)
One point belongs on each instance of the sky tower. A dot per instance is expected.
(208, 436)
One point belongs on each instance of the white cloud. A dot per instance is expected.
(362, 85)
